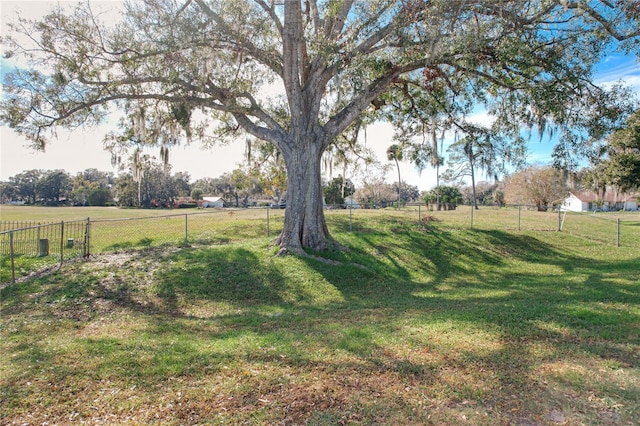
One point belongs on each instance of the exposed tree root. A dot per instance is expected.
(298, 251)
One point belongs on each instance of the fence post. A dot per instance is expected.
(61, 242)
(87, 239)
(617, 232)
(419, 216)
(13, 264)
(186, 230)
(559, 220)
(39, 238)
(519, 207)
(268, 231)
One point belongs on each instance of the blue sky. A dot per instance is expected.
(78, 150)
(613, 69)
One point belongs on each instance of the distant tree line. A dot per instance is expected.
(155, 186)
(158, 187)
(55, 187)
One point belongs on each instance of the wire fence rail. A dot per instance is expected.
(28, 246)
(9, 225)
(46, 239)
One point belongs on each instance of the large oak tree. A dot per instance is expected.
(299, 73)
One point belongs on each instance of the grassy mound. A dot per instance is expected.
(410, 327)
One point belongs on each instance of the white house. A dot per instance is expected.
(212, 202)
(583, 201)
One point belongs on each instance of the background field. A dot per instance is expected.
(98, 229)
(439, 324)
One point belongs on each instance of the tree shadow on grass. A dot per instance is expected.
(526, 291)
(464, 272)
(391, 330)
(448, 253)
(231, 274)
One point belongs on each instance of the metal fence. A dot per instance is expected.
(620, 229)
(611, 228)
(51, 242)
(8, 225)
(215, 226)
(29, 246)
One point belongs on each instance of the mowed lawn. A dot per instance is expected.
(407, 325)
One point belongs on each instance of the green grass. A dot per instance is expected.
(447, 325)
(56, 214)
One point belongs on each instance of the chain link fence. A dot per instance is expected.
(621, 229)
(26, 247)
(507, 218)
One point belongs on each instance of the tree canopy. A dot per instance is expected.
(337, 189)
(621, 167)
(298, 74)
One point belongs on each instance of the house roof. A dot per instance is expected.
(212, 199)
(609, 196)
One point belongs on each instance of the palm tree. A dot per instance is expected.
(394, 152)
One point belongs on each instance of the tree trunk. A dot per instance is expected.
(304, 222)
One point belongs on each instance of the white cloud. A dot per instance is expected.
(616, 68)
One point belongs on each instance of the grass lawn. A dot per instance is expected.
(448, 325)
